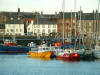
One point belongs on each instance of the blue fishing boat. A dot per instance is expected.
(3, 48)
(17, 49)
(11, 46)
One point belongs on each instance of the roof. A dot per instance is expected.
(14, 18)
(29, 15)
(46, 21)
(15, 22)
(8, 14)
(66, 14)
(86, 16)
(2, 26)
(48, 15)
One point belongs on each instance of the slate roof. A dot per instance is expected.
(9, 14)
(15, 22)
(15, 16)
(46, 21)
(29, 15)
(66, 14)
(2, 26)
(84, 16)
(87, 16)
(48, 15)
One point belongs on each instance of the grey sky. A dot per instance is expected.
(47, 6)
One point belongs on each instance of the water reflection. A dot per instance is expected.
(68, 60)
(26, 65)
(44, 59)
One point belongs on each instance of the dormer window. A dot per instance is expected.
(12, 18)
(18, 18)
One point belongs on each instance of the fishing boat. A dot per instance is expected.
(17, 49)
(12, 47)
(66, 53)
(3, 49)
(96, 52)
(10, 42)
(43, 51)
(81, 52)
(56, 49)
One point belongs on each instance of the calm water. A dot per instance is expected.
(24, 65)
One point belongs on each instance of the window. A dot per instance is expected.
(67, 21)
(7, 30)
(54, 30)
(20, 30)
(49, 31)
(43, 34)
(49, 26)
(54, 26)
(73, 21)
(43, 31)
(35, 26)
(89, 29)
(10, 33)
(16, 30)
(43, 26)
(12, 18)
(12, 30)
(35, 31)
(18, 18)
(35, 34)
(38, 26)
(38, 31)
(89, 24)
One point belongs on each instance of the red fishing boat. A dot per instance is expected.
(68, 54)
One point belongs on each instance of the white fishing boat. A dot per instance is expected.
(96, 52)
(56, 49)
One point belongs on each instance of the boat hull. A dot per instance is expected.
(97, 54)
(47, 54)
(3, 49)
(17, 49)
(72, 56)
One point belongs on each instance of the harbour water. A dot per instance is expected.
(22, 64)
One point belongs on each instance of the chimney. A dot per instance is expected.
(55, 13)
(41, 12)
(18, 10)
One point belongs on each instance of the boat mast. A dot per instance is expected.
(75, 21)
(75, 16)
(63, 9)
(97, 22)
(80, 27)
(71, 26)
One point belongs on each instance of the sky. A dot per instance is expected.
(48, 6)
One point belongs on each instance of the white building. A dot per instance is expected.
(2, 29)
(14, 29)
(42, 27)
(14, 26)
